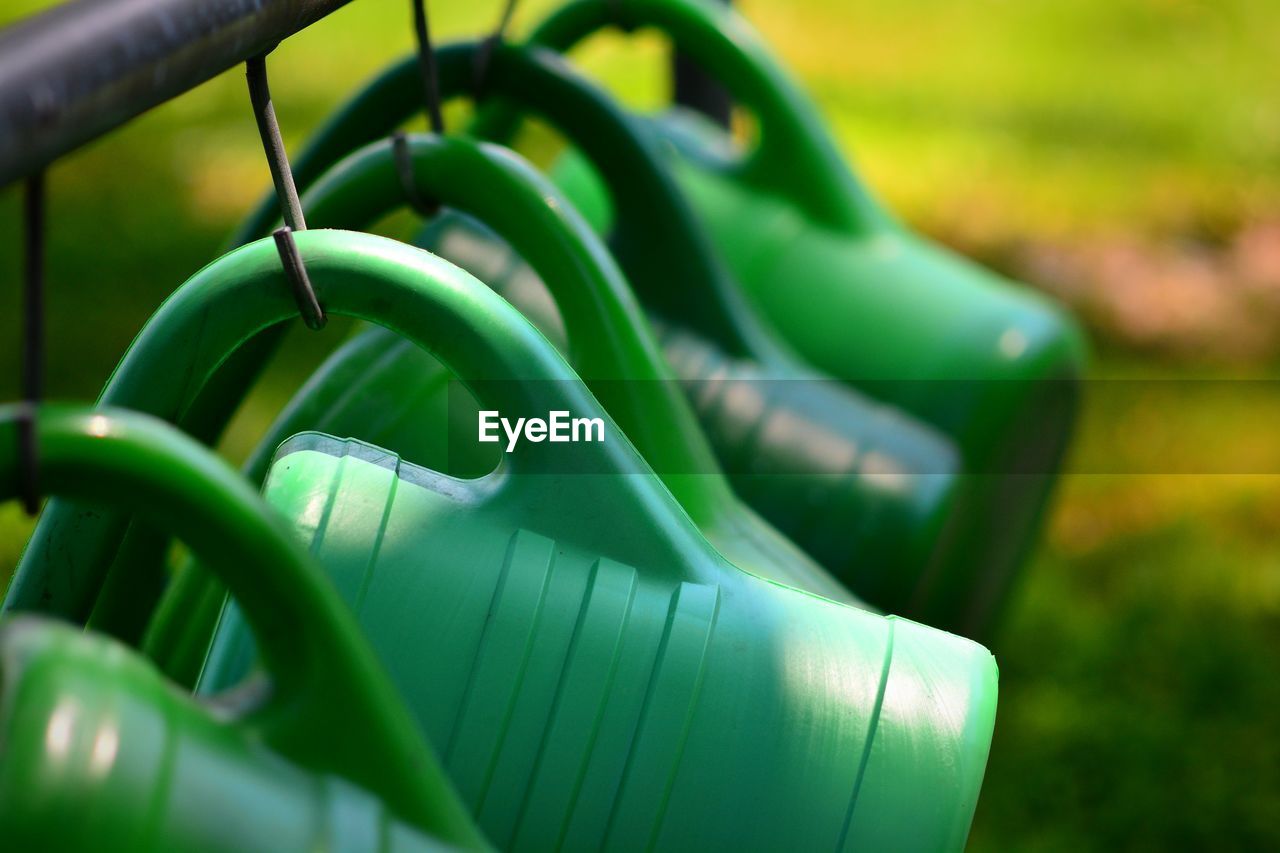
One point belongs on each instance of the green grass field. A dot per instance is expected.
(1140, 673)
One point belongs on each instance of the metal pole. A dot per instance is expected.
(73, 73)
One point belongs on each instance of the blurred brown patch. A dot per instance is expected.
(1184, 299)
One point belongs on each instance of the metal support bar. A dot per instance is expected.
(73, 73)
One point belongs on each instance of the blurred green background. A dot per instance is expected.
(1121, 154)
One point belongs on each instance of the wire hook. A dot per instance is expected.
(484, 54)
(264, 112)
(296, 271)
(427, 67)
(33, 205)
(403, 158)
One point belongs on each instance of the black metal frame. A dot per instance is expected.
(71, 74)
(83, 68)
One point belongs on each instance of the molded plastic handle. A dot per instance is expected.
(546, 84)
(323, 672)
(610, 344)
(469, 327)
(795, 157)
(685, 279)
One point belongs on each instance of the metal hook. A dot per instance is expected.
(296, 271)
(484, 54)
(424, 207)
(264, 112)
(427, 66)
(286, 192)
(33, 347)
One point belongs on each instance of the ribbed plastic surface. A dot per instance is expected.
(100, 753)
(589, 697)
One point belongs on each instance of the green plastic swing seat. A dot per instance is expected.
(991, 364)
(591, 670)
(98, 751)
